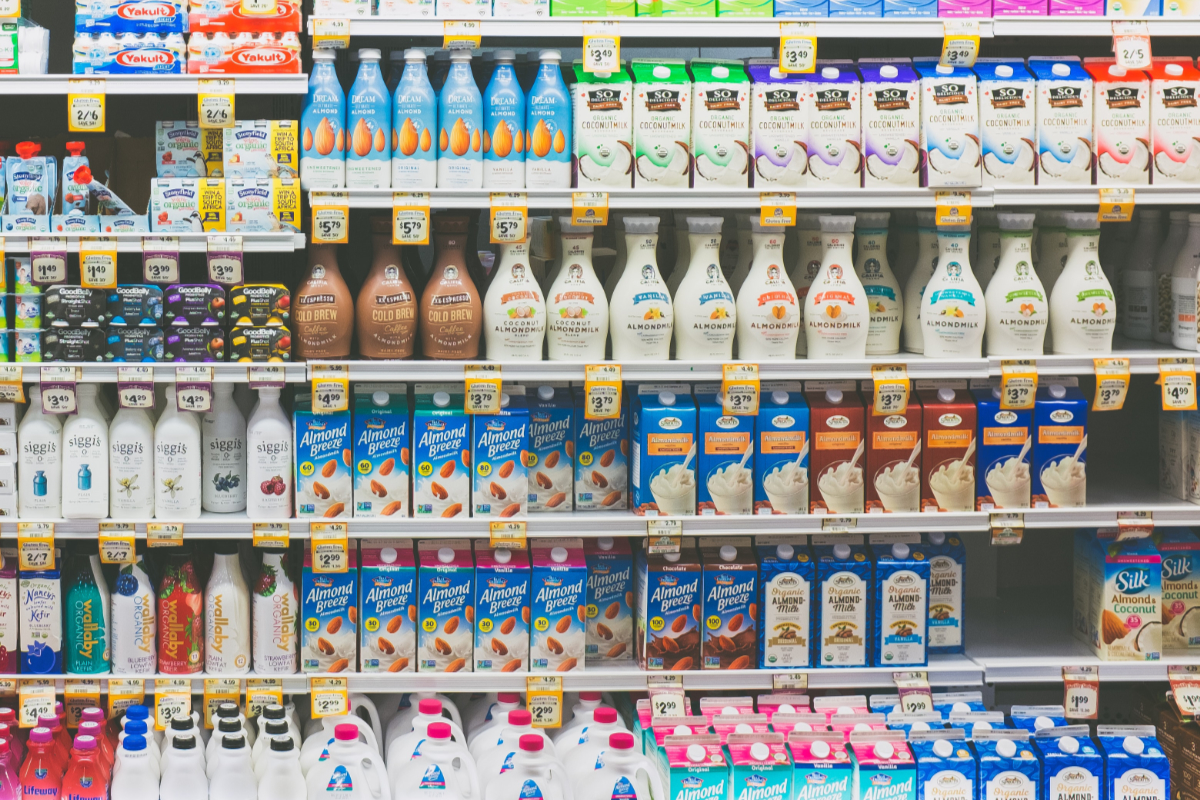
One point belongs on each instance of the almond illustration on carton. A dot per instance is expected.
(451, 625)
(506, 468)
(452, 510)
(563, 625)
(556, 500)
(612, 611)
(599, 479)
(725, 643)
(497, 491)
(378, 489)
(625, 447)
(447, 469)
(569, 447)
(696, 613)
(524, 458)
(324, 646)
(469, 613)
(616, 650)
(442, 646)
(753, 610)
(352, 614)
(438, 490)
(320, 491)
(552, 460)
(554, 646)
(511, 510)
(346, 456)
(466, 458)
(329, 468)
(679, 624)
(391, 508)
(525, 614)
(543, 480)
(603, 631)
(412, 615)
(403, 460)
(507, 626)
(456, 665)
(607, 459)
(682, 664)
(335, 510)
(394, 624)
(512, 666)
(498, 647)
(629, 599)
(741, 662)
(611, 498)
(385, 646)
(334, 625)
(670, 645)
(567, 665)
(1112, 627)
(339, 665)
(399, 665)
(735, 623)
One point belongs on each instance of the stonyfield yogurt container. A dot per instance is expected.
(834, 125)
(329, 609)
(445, 593)
(891, 122)
(779, 104)
(1007, 121)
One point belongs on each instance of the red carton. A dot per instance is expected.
(894, 484)
(836, 462)
(948, 453)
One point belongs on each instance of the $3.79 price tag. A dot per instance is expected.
(543, 698)
(1178, 379)
(1112, 383)
(797, 47)
(482, 389)
(1018, 384)
(602, 391)
(740, 389)
(891, 389)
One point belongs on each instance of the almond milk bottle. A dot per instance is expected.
(1082, 308)
(883, 292)
(576, 306)
(683, 253)
(768, 315)
(988, 256)
(705, 313)
(836, 316)
(514, 311)
(1139, 294)
(808, 263)
(914, 287)
(745, 253)
(952, 311)
(1017, 311)
(642, 314)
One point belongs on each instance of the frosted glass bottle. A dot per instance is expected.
(745, 254)
(1183, 288)
(131, 465)
(806, 266)
(226, 615)
(952, 312)
(768, 314)
(1082, 307)
(85, 458)
(705, 314)
(1164, 267)
(836, 317)
(177, 463)
(576, 305)
(883, 292)
(907, 247)
(223, 435)
(1017, 308)
(641, 312)
(39, 478)
(1139, 298)
(269, 456)
(912, 334)
(988, 258)
(514, 311)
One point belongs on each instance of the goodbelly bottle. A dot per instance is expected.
(323, 122)
(548, 121)
(414, 125)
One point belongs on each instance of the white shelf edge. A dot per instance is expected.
(164, 371)
(18, 243)
(152, 84)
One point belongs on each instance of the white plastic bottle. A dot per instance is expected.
(181, 726)
(625, 773)
(353, 770)
(705, 313)
(514, 311)
(1052, 246)
(1164, 266)
(1139, 294)
(85, 458)
(745, 254)
(176, 463)
(134, 621)
(39, 439)
(616, 222)
(223, 435)
(134, 774)
(235, 779)
(988, 256)
(581, 714)
(805, 269)
(683, 252)
(185, 780)
(579, 750)
(768, 313)
(401, 748)
(226, 615)
(1082, 309)
(276, 608)
(131, 465)
(535, 773)
(641, 312)
(492, 714)
(281, 779)
(576, 305)
(912, 334)
(1018, 311)
(952, 311)
(441, 770)
(268, 456)
(836, 317)
(492, 759)
(271, 730)
(213, 750)
(1183, 288)
(883, 291)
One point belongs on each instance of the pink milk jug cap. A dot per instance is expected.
(621, 741)
(345, 733)
(439, 730)
(430, 705)
(530, 742)
(520, 717)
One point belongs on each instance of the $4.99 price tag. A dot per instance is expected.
(330, 388)
(35, 545)
(740, 389)
(330, 697)
(543, 698)
(215, 103)
(601, 46)
(1178, 379)
(960, 44)
(1112, 383)
(797, 47)
(1081, 692)
(117, 543)
(602, 391)
(891, 389)
(1018, 384)
(410, 218)
(1131, 43)
(510, 216)
(85, 106)
(329, 546)
(483, 389)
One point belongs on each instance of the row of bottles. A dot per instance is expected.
(1159, 280)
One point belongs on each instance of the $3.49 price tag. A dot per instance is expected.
(58, 389)
(330, 388)
(510, 217)
(960, 43)
(1112, 383)
(543, 698)
(98, 262)
(1177, 376)
(215, 103)
(1018, 383)
(482, 388)
(601, 46)
(85, 106)
(410, 218)
(35, 545)
(329, 546)
(330, 697)
(331, 217)
(117, 543)
(602, 391)
(1081, 692)
(740, 389)
(797, 47)
(891, 389)
(1131, 43)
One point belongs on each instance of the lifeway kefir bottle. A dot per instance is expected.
(836, 317)
(705, 314)
(576, 306)
(642, 314)
(768, 313)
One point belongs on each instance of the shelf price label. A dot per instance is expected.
(123, 693)
(160, 259)
(35, 546)
(48, 260)
(602, 391)
(1007, 528)
(331, 217)
(915, 694)
(10, 8)
(461, 34)
(1134, 525)
(777, 208)
(331, 34)
(410, 218)
(225, 259)
(1018, 383)
(663, 536)
(483, 388)
(1185, 688)
(891, 389)
(589, 208)
(36, 699)
(172, 698)
(740, 389)
(1112, 383)
(330, 697)
(510, 216)
(117, 541)
(215, 102)
(98, 262)
(330, 546)
(1131, 43)
(1116, 205)
(789, 681)
(78, 694)
(797, 47)
(12, 390)
(508, 534)
(262, 692)
(272, 534)
(164, 534)
(543, 698)
(193, 389)
(58, 389)
(330, 388)
(666, 696)
(217, 691)
(1177, 376)
(85, 106)
(1081, 692)
(952, 208)
(838, 524)
(960, 43)
(601, 46)
(266, 376)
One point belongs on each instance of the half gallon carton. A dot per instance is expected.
(725, 471)
(502, 581)
(323, 452)
(41, 630)
(901, 584)
(779, 117)
(781, 450)
(822, 769)
(729, 605)
(601, 450)
(726, 725)
(893, 478)
(1121, 115)
(721, 112)
(445, 592)
(1180, 551)
(1060, 445)
(946, 767)
(1034, 718)
(835, 116)
(499, 445)
(664, 436)
(602, 114)
(1135, 766)
(1007, 118)
(696, 767)
(947, 574)
(1072, 766)
(388, 637)
(1172, 453)
(610, 600)
(948, 457)
(662, 121)
(1002, 479)
(667, 634)
(844, 601)
(381, 450)
(838, 427)
(1174, 115)
(891, 110)
(1008, 768)
(762, 769)
(1064, 118)
(1118, 596)
(884, 767)
(329, 608)
(949, 125)
(559, 597)
(441, 452)
(551, 468)
(787, 581)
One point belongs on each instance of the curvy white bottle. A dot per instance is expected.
(576, 305)
(1139, 298)
(1183, 288)
(1082, 308)
(269, 456)
(134, 620)
(836, 317)
(226, 615)
(616, 222)
(745, 254)
(953, 316)
(85, 458)
(39, 479)
(683, 253)
(914, 288)
(1052, 246)
(131, 465)
(223, 437)
(276, 610)
(768, 314)
(705, 312)
(642, 314)
(1017, 308)
(988, 237)
(177, 462)
(884, 300)
(514, 310)
(905, 235)
(805, 268)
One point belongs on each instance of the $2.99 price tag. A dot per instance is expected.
(915, 694)
(1112, 383)
(543, 698)
(329, 546)
(330, 697)
(602, 391)
(510, 217)
(601, 46)
(1178, 379)
(410, 218)
(797, 47)
(891, 389)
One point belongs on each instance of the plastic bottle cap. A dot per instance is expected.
(759, 751)
(945, 395)
(430, 706)
(276, 727)
(960, 708)
(779, 397)
(937, 538)
(1006, 748)
(133, 744)
(226, 726)
(919, 726)
(900, 550)
(131, 728)
(980, 726)
(1068, 745)
(1061, 70)
(743, 727)
(520, 717)
(274, 711)
(1041, 723)
(546, 393)
(506, 55)
(137, 712)
(802, 726)
(728, 552)
(323, 54)
(1133, 745)
(1117, 71)
(784, 552)
(439, 730)
(662, 72)
(672, 557)
(830, 73)
(185, 741)
(820, 749)
(346, 732)
(883, 750)
(1174, 69)
(720, 72)
(605, 715)
(502, 555)
(368, 53)
(841, 551)
(504, 400)
(282, 744)
(591, 697)
(785, 708)
(605, 543)
(1057, 391)
(833, 396)
(442, 399)
(558, 555)
(182, 723)
(388, 555)
(508, 697)
(1004, 71)
(233, 741)
(943, 748)
(862, 727)
(82, 742)
(621, 740)
(666, 398)
(696, 753)
(42, 735)
(888, 71)
(530, 742)
(944, 70)
(445, 554)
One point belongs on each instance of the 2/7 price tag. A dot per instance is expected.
(330, 388)
(483, 388)
(78, 694)
(461, 34)
(509, 213)
(160, 259)
(215, 102)
(117, 543)
(510, 535)
(331, 217)
(98, 262)
(1116, 205)
(272, 534)
(329, 546)
(601, 46)
(952, 208)
(164, 534)
(12, 390)
(602, 391)
(777, 208)
(225, 259)
(1018, 383)
(915, 694)
(172, 698)
(85, 106)
(330, 697)
(891, 389)
(960, 43)
(35, 546)
(1185, 688)
(193, 389)
(797, 47)
(410, 218)
(58, 389)
(589, 208)
(543, 698)
(740, 389)
(36, 699)
(1131, 43)
(1177, 376)
(47, 260)
(1081, 692)
(1112, 383)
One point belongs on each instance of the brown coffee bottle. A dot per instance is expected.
(385, 312)
(323, 314)
(451, 310)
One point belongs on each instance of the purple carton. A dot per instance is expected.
(725, 473)
(964, 8)
(551, 467)
(601, 456)
(609, 624)
(388, 610)
(329, 608)
(559, 596)
(499, 448)
(445, 591)
(501, 609)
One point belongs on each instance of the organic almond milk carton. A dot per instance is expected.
(779, 106)
(445, 593)
(1121, 116)
(559, 603)
(946, 767)
(1072, 765)
(1174, 116)
(501, 609)
(902, 578)
(787, 581)
(947, 572)
(1118, 596)
(844, 601)
(1007, 121)
(891, 123)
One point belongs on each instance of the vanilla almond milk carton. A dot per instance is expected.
(559, 603)
(1121, 116)
(501, 608)
(891, 123)
(1174, 120)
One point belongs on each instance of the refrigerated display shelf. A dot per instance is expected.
(164, 372)
(188, 242)
(151, 85)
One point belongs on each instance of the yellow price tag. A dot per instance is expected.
(272, 534)
(117, 543)
(740, 389)
(215, 103)
(891, 389)
(330, 697)
(36, 699)
(330, 388)
(1116, 205)
(123, 693)
(331, 218)
(79, 694)
(602, 391)
(777, 208)
(329, 546)
(262, 692)
(331, 34)
(410, 218)
(1112, 383)
(952, 208)
(483, 388)
(1018, 383)
(12, 390)
(172, 698)
(85, 106)
(1131, 43)
(508, 534)
(589, 208)
(58, 389)
(601, 46)
(461, 34)
(797, 47)
(543, 698)
(960, 43)
(509, 214)
(98, 262)
(35, 546)
(1177, 376)
(217, 691)
(164, 534)
(10, 8)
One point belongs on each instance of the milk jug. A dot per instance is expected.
(642, 314)
(952, 311)
(808, 263)
(580, 751)
(535, 773)
(176, 462)
(131, 465)
(235, 779)
(914, 288)
(414, 121)
(514, 311)
(768, 315)
(1017, 309)
(85, 458)
(226, 615)
(494, 714)
(401, 748)
(576, 305)
(352, 771)
(503, 127)
(836, 317)
(1139, 297)
(1082, 309)
(439, 770)
(495, 757)
(134, 621)
(620, 771)
(706, 317)
(269, 459)
(883, 292)
(1183, 288)
(223, 437)
(460, 116)
(369, 122)
(39, 438)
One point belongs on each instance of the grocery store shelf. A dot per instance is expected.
(223, 372)
(1143, 359)
(291, 683)
(152, 84)
(188, 242)
(1084, 196)
(1088, 26)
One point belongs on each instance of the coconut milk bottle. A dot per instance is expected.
(414, 120)
(323, 124)
(548, 120)
(1017, 310)
(768, 314)
(131, 465)
(460, 117)
(1082, 308)
(949, 125)
(369, 120)
(134, 621)
(514, 311)
(85, 459)
(1121, 114)
(1064, 117)
(602, 114)
(952, 310)
(504, 127)
(576, 306)
(226, 615)
(836, 316)
(778, 127)
(177, 462)
(720, 123)
(835, 126)
(642, 314)
(1007, 122)
(808, 263)
(891, 109)
(705, 313)
(883, 292)
(1174, 118)
(39, 438)
(1139, 300)
(223, 437)
(914, 287)
(661, 123)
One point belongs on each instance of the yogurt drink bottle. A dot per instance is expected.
(514, 311)
(1139, 298)
(134, 621)
(227, 616)
(39, 439)
(176, 462)
(914, 288)
(1183, 288)
(642, 315)
(85, 459)
(808, 263)
(952, 311)
(223, 438)
(768, 315)
(1017, 309)
(836, 317)
(576, 305)
(1082, 307)
(131, 465)
(883, 291)
(275, 607)
(705, 313)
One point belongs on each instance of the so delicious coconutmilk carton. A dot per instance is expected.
(1121, 115)
(949, 125)
(891, 123)
(662, 123)
(1174, 117)
(779, 106)
(1118, 596)
(1064, 120)
(603, 118)
(720, 123)
(1007, 121)
(835, 125)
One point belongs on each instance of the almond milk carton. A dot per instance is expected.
(1180, 551)
(610, 601)
(667, 635)
(501, 609)
(729, 604)
(787, 579)
(559, 603)
(1118, 596)
(388, 632)
(835, 461)
(445, 593)
(948, 455)
(893, 479)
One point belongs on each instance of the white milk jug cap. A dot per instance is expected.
(862, 727)
(672, 557)
(682, 730)
(720, 72)
(729, 711)
(445, 554)
(504, 400)
(662, 72)
(744, 727)
(379, 398)
(785, 708)
(1068, 744)
(980, 726)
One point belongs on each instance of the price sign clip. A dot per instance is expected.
(1185, 688)
(1177, 377)
(891, 389)
(960, 43)
(777, 208)
(410, 218)
(1007, 528)
(1112, 383)
(589, 208)
(330, 547)
(543, 698)
(1116, 205)
(330, 697)
(482, 389)
(601, 47)
(330, 388)
(1131, 43)
(509, 217)
(915, 694)
(602, 391)
(1018, 384)
(1081, 692)
(663, 536)
(507, 534)
(740, 388)
(797, 47)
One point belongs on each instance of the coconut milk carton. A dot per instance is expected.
(388, 633)
(720, 123)
(1064, 121)
(1121, 102)
(41, 632)
(1072, 765)
(787, 579)
(781, 450)
(696, 767)
(1174, 115)
(844, 601)
(602, 113)
(445, 592)
(822, 769)
(668, 597)
(901, 577)
(499, 448)
(1008, 768)
(884, 767)
(441, 452)
(559, 606)
(1180, 551)
(949, 125)
(329, 609)
(610, 600)
(551, 468)
(1135, 766)
(664, 433)
(1118, 596)
(725, 475)
(1007, 121)
(946, 768)
(947, 573)
(381, 450)
(662, 122)
(891, 124)
(601, 458)
(501, 609)
(835, 124)
(778, 125)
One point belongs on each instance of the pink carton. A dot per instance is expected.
(884, 765)
(845, 723)
(801, 722)
(770, 704)
(841, 704)
(501, 609)
(762, 768)
(964, 8)
(1076, 8)
(662, 727)
(823, 769)
(559, 599)
(710, 707)
(1019, 8)
(725, 725)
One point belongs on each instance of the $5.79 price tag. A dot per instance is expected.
(602, 391)
(410, 218)
(740, 389)
(543, 698)
(482, 388)
(960, 43)
(1018, 383)
(510, 217)
(1177, 376)
(797, 47)
(331, 218)
(1112, 383)
(891, 389)
(601, 46)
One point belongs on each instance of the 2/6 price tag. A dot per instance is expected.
(740, 389)
(1185, 688)
(160, 259)
(601, 46)
(543, 698)
(952, 208)
(98, 262)
(272, 534)
(1018, 383)
(589, 208)
(12, 390)
(1081, 692)
(1116, 205)
(117, 543)
(915, 694)
(85, 106)
(483, 388)
(193, 389)
(330, 388)
(331, 217)
(331, 34)
(262, 692)
(330, 697)
(47, 260)
(35, 546)
(1131, 43)
(410, 218)
(777, 208)
(1112, 383)
(164, 534)
(891, 389)
(1177, 376)
(508, 534)
(797, 47)
(960, 43)
(36, 699)
(329, 546)
(58, 389)
(509, 212)
(225, 259)
(123, 693)
(217, 691)
(602, 391)
(215, 102)
(172, 698)
(461, 34)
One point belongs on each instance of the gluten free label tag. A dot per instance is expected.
(1112, 383)
(602, 391)
(589, 208)
(482, 389)
(410, 218)
(215, 102)
(740, 388)
(98, 262)
(601, 46)
(1018, 384)
(123, 693)
(544, 699)
(172, 698)
(891, 389)
(1116, 205)
(36, 698)
(135, 387)
(508, 534)
(330, 697)
(330, 388)
(117, 541)
(164, 534)
(329, 546)
(272, 534)
(510, 216)
(331, 218)
(952, 208)
(12, 389)
(797, 47)
(35, 546)
(86, 106)
(960, 43)
(777, 208)
(1177, 376)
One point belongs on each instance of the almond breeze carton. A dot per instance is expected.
(787, 579)
(1071, 764)
(946, 768)
(901, 578)
(445, 592)
(499, 446)
(781, 450)
(381, 450)
(1180, 551)
(696, 768)
(601, 457)
(664, 436)
(822, 769)
(729, 604)
(323, 452)
(1118, 596)
(329, 608)
(884, 767)
(551, 467)
(441, 452)
(1135, 766)
(947, 573)
(388, 636)
(501, 609)
(668, 597)
(844, 601)
(610, 601)
(1008, 768)
(559, 597)
(725, 472)
(762, 769)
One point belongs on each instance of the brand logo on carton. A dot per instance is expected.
(950, 420)
(783, 421)
(782, 100)
(837, 421)
(1132, 581)
(152, 11)
(145, 58)
(880, 779)
(1005, 417)
(949, 93)
(1007, 97)
(891, 99)
(1061, 415)
(833, 100)
(1176, 567)
(1178, 97)
(260, 57)
(670, 423)
(895, 421)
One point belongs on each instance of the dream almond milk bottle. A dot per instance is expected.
(836, 317)
(768, 315)
(642, 314)
(705, 312)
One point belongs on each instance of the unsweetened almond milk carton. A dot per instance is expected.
(610, 600)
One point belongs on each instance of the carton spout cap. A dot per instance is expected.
(784, 552)
(1041, 723)
(833, 396)
(883, 750)
(445, 554)
(728, 552)
(937, 538)
(605, 543)
(943, 749)
(1133, 745)
(558, 555)
(545, 393)
(441, 399)
(1068, 745)
(900, 550)
(502, 555)
(696, 752)
(759, 751)
(841, 552)
(779, 397)
(820, 749)
(1006, 748)
(1058, 392)
(945, 395)
(919, 726)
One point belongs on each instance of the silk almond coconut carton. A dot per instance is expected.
(1180, 551)
(1118, 596)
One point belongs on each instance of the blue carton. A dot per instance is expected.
(559, 598)
(551, 467)
(1072, 765)
(445, 592)
(322, 449)
(947, 581)
(499, 444)
(1008, 767)
(696, 767)
(1035, 718)
(946, 767)
(329, 602)
(1002, 481)
(1135, 766)
(946, 703)
(901, 585)
(976, 722)
(601, 448)
(501, 601)
(381, 450)
(441, 452)
(844, 601)
(786, 583)
(725, 474)
(664, 435)
(1060, 423)
(916, 723)
(388, 635)
(780, 483)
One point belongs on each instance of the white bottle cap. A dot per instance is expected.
(672, 557)
(820, 748)
(720, 72)
(784, 552)
(900, 550)
(388, 555)
(945, 395)
(1041, 723)
(502, 555)
(940, 70)
(830, 73)
(833, 396)
(681, 730)
(883, 750)
(1004, 71)
(729, 711)
(980, 726)
(546, 393)
(759, 751)
(666, 398)
(441, 399)
(504, 400)
(605, 543)
(919, 726)
(1132, 744)
(445, 554)
(743, 727)
(1175, 70)
(558, 555)
(662, 72)
(785, 708)
(1068, 745)
(379, 398)
(937, 538)
(960, 707)
(368, 53)
(1061, 70)
(862, 727)
(888, 71)
(550, 55)
(505, 55)
(696, 753)
(841, 552)
(728, 552)
(1006, 748)
(943, 749)
(1058, 391)
(779, 397)
(803, 726)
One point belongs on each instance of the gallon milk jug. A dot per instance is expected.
(185, 780)
(952, 312)
(580, 717)
(482, 713)
(281, 778)
(496, 758)
(579, 752)
(625, 773)
(135, 776)
(836, 317)
(316, 747)
(410, 707)
(1082, 309)
(1017, 308)
(353, 770)
(235, 779)
(439, 770)
(276, 729)
(402, 748)
(535, 773)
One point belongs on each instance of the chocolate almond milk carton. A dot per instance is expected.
(667, 636)
(729, 607)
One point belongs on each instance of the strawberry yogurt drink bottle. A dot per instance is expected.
(42, 772)
(85, 778)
